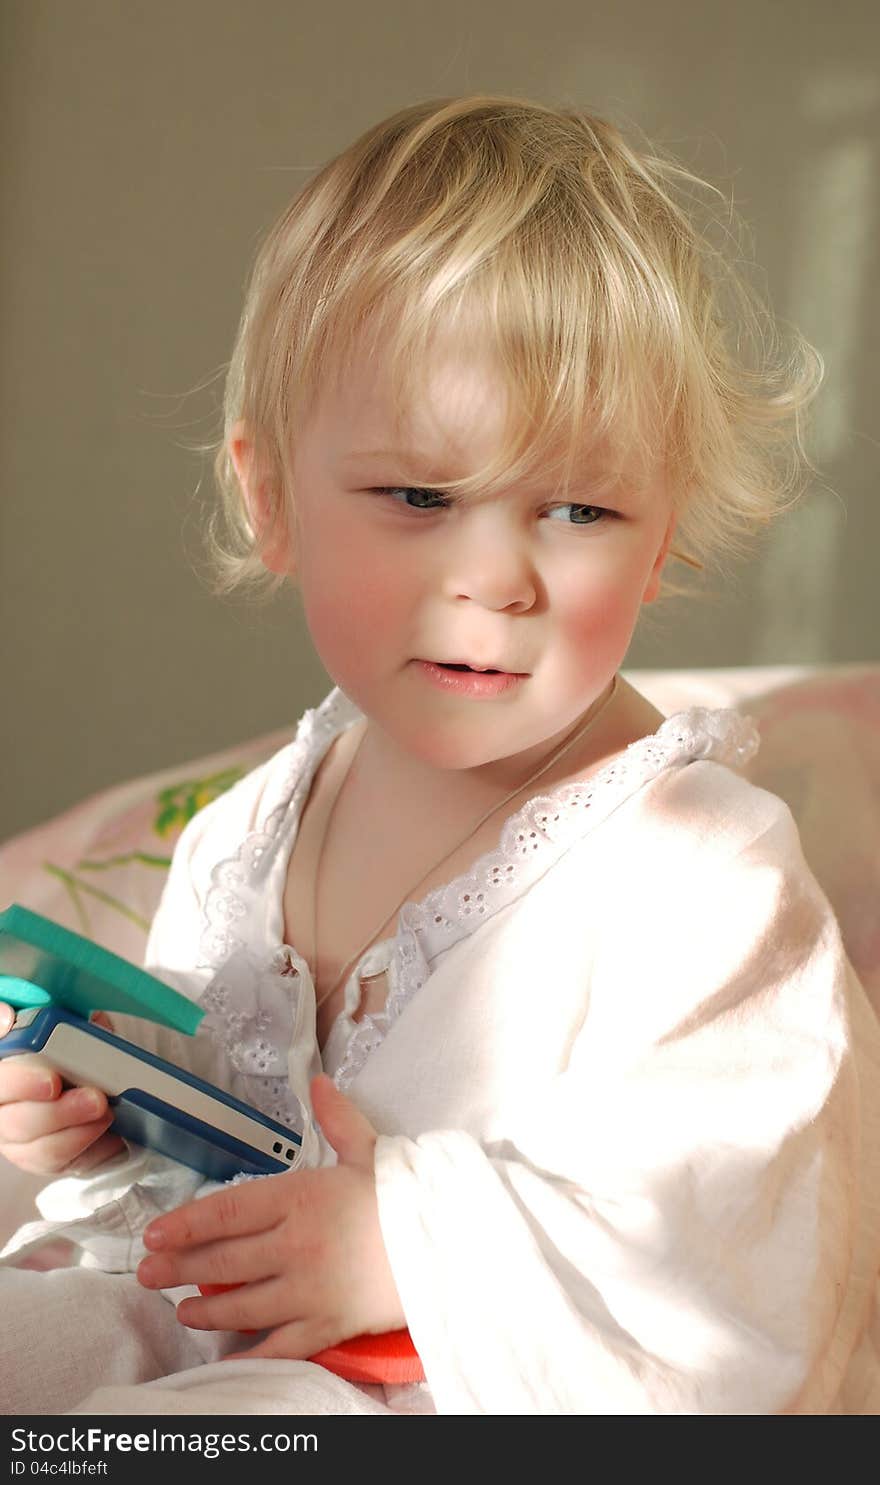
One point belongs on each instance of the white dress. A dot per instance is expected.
(627, 1088)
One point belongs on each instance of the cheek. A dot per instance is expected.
(355, 605)
(598, 612)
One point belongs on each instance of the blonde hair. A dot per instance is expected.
(579, 259)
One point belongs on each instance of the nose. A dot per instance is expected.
(490, 563)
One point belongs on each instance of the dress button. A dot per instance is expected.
(373, 994)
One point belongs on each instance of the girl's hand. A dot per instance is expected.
(45, 1129)
(304, 1250)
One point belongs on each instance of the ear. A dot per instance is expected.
(261, 498)
(652, 587)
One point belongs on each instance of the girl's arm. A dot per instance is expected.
(686, 1219)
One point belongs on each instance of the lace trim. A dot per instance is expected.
(246, 999)
(251, 1002)
(253, 1013)
(233, 879)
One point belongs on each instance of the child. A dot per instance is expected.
(602, 1129)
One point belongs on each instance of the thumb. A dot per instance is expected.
(343, 1125)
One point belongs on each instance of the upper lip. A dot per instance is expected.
(472, 664)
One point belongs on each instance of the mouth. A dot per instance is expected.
(477, 682)
(462, 665)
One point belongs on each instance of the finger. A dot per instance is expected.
(298, 1340)
(54, 1153)
(100, 1018)
(252, 1307)
(7, 1017)
(27, 1077)
(28, 1120)
(234, 1212)
(106, 1148)
(242, 1261)
(343, 1125)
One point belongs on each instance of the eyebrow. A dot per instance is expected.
(383, 454)
(604, 487)
(429, 470)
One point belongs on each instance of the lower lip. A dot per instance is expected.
(469, 682)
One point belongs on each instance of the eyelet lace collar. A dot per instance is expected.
(240, 914)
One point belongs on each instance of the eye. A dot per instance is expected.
(414, 496)
(579, 515)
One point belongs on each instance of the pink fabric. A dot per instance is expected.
(100, 867)
(820, 752)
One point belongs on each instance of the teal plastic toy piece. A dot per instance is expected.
(42, 963)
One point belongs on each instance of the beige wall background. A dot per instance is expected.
(146, 147)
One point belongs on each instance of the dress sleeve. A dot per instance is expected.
(679, 1222)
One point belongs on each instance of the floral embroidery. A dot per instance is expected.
(181, 802)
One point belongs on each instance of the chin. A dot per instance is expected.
(444, 754)
(441, 748)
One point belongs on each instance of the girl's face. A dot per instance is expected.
(399, 580)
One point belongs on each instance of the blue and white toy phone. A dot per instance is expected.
(55, 977)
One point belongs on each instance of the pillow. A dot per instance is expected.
(100, 867)
(820, 752)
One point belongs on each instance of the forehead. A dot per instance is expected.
(453, 409)
(452, 418)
